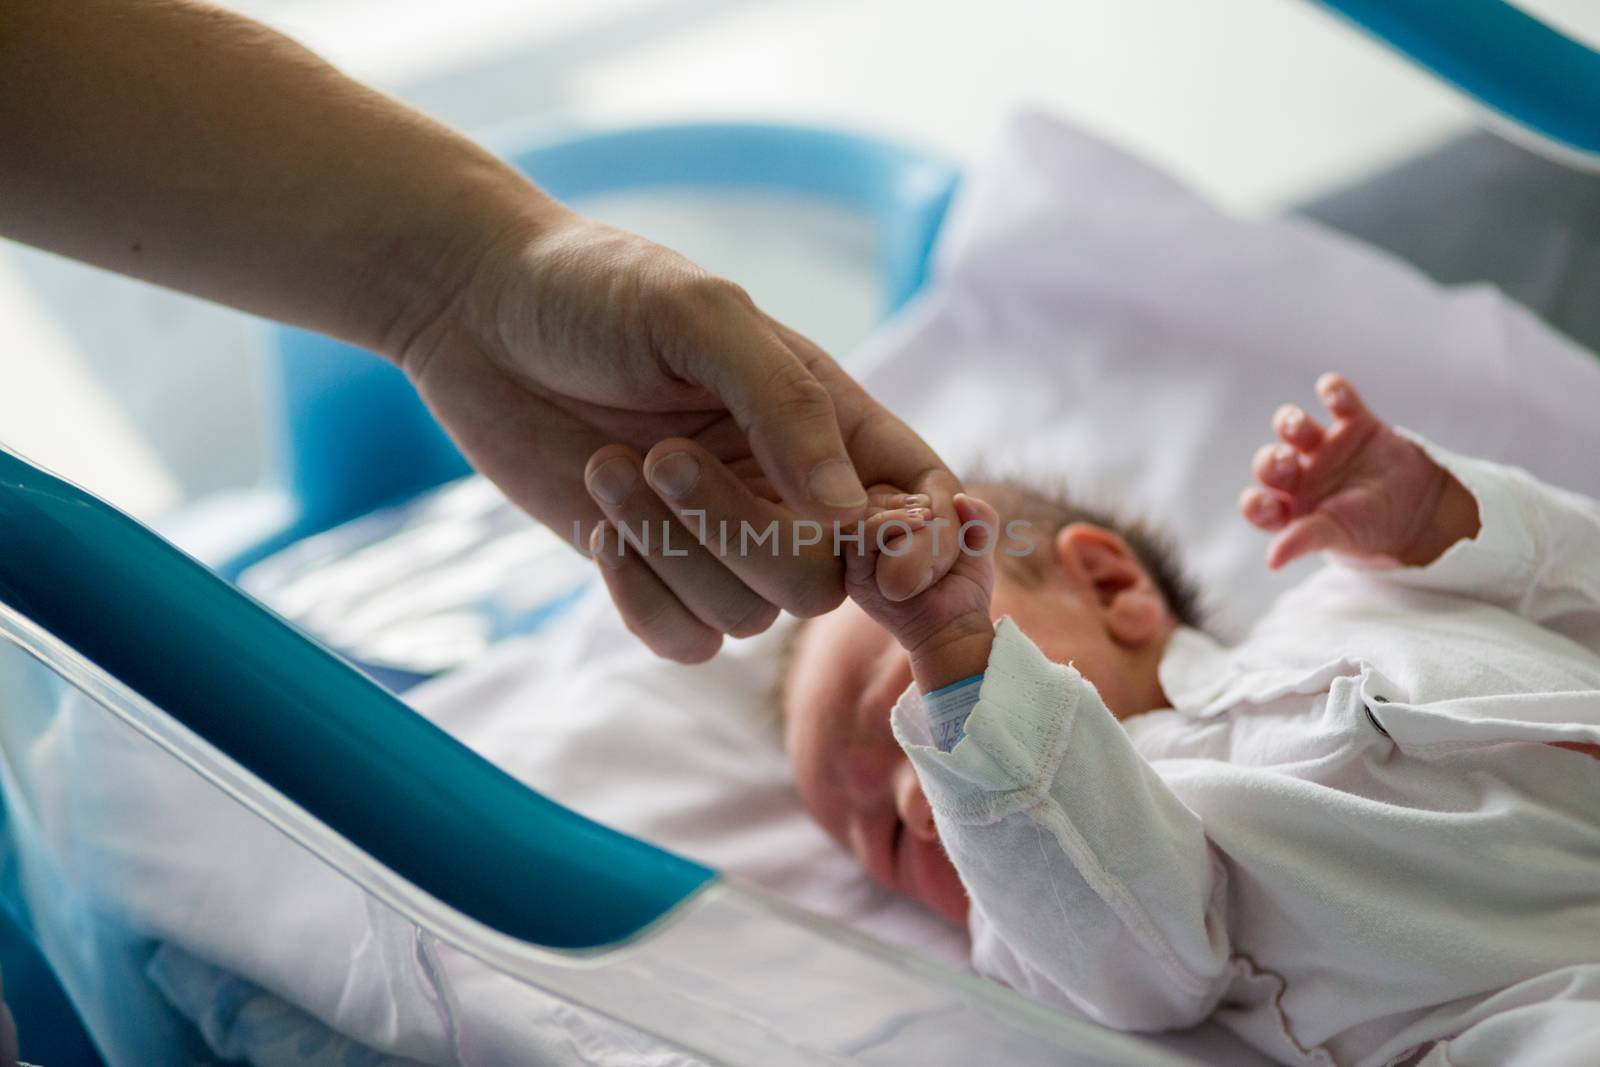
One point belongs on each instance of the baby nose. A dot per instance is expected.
(914, 809)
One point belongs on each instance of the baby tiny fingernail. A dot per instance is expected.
(919, 514)
(1283, 459)
(613, 480)
(916, 500)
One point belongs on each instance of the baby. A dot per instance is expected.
(1367, 834)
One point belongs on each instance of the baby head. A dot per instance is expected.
(1102, 595)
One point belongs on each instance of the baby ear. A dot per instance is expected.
(1115, 581)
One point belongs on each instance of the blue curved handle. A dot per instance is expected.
(905, 192)
(353, 434)
(1515, 64)
(317, 730)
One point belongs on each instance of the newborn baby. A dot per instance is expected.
(1368, 834)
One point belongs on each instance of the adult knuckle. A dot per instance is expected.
(648, 621)
(756, 618)
(813, 600)
(669, 634)
(693, 647)
(716, 292)
(794, 397)
(691, 298)
(724, 609)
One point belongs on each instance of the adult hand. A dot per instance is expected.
(574, 341)
(256, 175)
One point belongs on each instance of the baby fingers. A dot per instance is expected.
(980, 523)
(1263, 510)
(1341, 398)
(1297, 429)
(888, 498)
(885, 534)
(1311, 533)
(883, 531)
(1277, 467)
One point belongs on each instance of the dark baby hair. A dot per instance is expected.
(1049, 511)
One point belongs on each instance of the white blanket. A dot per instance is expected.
(1088, 317)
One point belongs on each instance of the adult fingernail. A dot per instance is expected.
(613, 480)
(835, 484)
(675, 474)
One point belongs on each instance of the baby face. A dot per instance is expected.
(845, 675)
(1092, 607)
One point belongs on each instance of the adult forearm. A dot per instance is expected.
(194, 148)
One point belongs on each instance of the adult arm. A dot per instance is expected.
(191, 147)
(188, 146)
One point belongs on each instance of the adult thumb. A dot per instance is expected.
(787, 414)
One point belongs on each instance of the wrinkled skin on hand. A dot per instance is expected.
(578, 343)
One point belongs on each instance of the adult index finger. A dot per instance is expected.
(788, 560)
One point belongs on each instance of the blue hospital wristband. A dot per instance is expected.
(948, 709)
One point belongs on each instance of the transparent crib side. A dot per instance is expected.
(179, 896)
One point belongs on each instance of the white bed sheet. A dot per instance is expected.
(1090, 317)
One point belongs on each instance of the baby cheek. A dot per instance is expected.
(864, 771)
(1033, 610)
(1018, 599)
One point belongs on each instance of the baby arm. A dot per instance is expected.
(1092, 885)
(1380, 497)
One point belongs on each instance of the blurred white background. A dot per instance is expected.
(151, 398)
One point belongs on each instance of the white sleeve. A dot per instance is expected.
(1549, 1021)
(1092, 885)
(1537, 553)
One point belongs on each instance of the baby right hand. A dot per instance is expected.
(1357, 488)
(946, 628)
